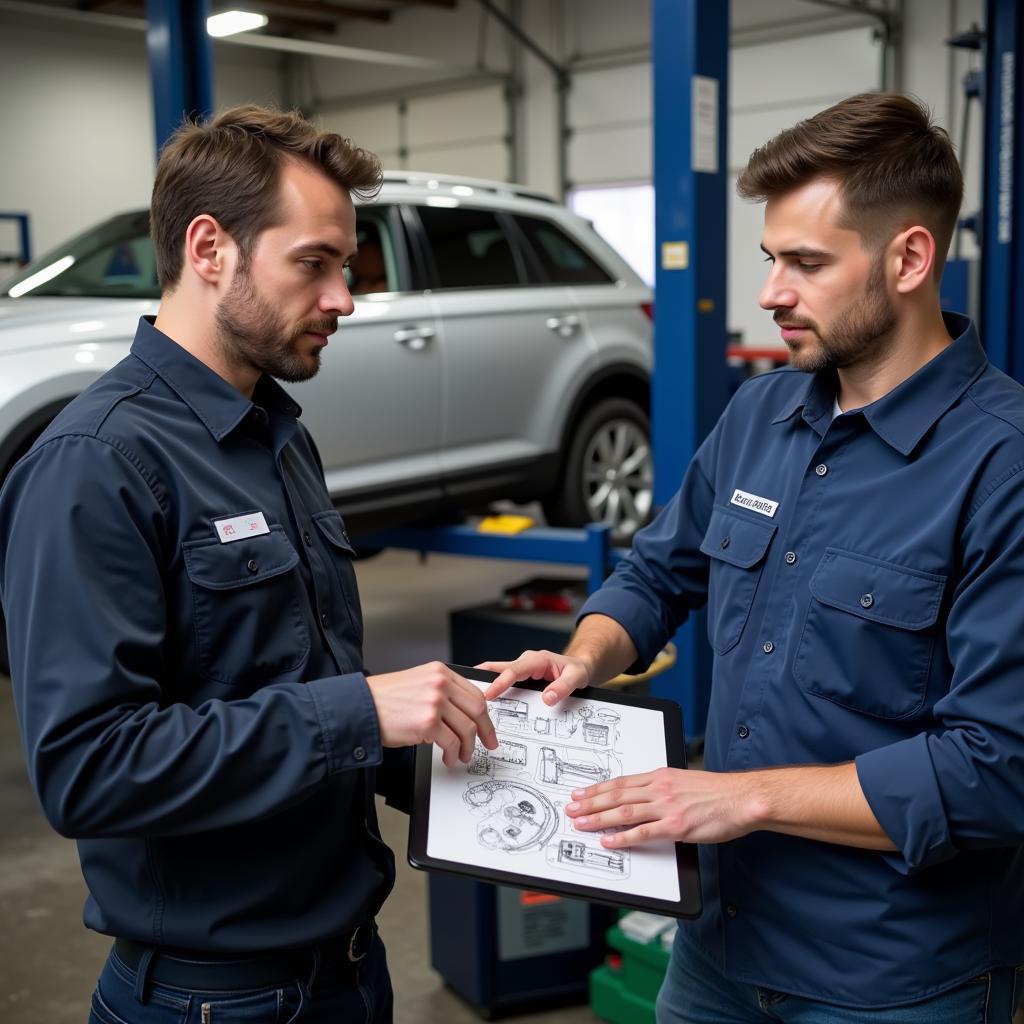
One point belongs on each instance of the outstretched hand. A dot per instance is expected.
(564, 672)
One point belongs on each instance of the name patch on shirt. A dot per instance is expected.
(250, 525)
(754, 502)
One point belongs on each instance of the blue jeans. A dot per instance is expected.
(368, 1000)
(696, 992)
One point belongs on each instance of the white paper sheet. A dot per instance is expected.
(505, 810)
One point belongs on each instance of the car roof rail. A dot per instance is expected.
(503, 188)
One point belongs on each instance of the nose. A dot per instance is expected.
(336, 299)
(777, 293)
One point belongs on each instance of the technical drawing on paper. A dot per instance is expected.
(515, 817)
(517, 792)
(577, 855)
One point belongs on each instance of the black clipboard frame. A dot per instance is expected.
(689, 904)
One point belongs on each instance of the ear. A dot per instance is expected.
(914, 252)
(209, 250)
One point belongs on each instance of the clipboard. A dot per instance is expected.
(501, 818)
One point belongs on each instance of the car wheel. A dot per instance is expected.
(608, 474)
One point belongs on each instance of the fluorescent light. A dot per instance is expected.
(41, 277)
(230, 23)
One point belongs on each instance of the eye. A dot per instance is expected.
(769, 259)
(809, 268)
(312, 264)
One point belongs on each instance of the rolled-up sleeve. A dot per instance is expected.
(665, 576)
(83, 540)
(961, 784)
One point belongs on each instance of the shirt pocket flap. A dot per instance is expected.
(736, 540)
(217, 566)
(332, 526)
(878, 591)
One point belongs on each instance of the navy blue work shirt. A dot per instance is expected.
(864, 577)
(185, 633)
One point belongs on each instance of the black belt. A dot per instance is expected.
(336, 959)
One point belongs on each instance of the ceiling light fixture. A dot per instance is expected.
(230, 23)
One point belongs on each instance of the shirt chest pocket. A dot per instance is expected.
(340, 554)
(737, 548)
(869, 634)
(248, 619)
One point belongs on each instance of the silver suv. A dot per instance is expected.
(499, 348)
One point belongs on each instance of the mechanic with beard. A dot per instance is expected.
(184, 626)
(857, 532)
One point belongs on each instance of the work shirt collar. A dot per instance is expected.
(904, 415)
(219, 406)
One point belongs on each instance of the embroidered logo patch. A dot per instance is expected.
(250, 525)
(754, 502)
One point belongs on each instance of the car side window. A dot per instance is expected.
(374, 268)
(469, 247)
(563, 260)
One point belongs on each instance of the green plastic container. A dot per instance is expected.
(626, 994)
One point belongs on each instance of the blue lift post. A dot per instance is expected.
(180, 62)
(691, 63)
(1002, 258)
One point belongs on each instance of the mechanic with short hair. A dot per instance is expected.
(184, 627)
(854, 525)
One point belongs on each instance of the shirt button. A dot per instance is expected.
(731, 910)
(253, 566)
(790, 558)
(867, 601)
(324, 619)
(359, 753)
(768, 647)
(743, 732)
(821, 469)
(309, 540)
(726, 541)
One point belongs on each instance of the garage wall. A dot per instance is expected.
(77, 123)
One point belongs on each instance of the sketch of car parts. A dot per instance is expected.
(571, 853)
(556, 771)
(516, 817)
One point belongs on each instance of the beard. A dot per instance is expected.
(250, 332)
(861, 332)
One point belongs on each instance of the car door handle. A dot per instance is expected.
(564, 326)
(415, 338)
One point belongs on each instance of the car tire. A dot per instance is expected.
(608, 473)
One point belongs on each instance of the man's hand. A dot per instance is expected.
(670, 803)
(564, 672)
(820, 802)
(432, 704)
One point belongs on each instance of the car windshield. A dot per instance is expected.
(111, 260)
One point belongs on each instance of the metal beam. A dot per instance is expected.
(688, 392)
(180, 63)
(1002, 244)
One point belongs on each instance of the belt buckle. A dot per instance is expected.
(352, 955)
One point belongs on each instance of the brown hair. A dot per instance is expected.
(229, 166)
(890, 161)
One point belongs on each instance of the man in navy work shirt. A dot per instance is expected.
(183, 619)
(857, 532)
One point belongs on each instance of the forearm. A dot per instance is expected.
(603, 646)
(820, 802)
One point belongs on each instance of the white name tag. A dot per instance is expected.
(251, 525)
(765, 506)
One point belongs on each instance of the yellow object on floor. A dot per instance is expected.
(507, 524)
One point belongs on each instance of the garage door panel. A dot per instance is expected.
(615, 154)
(375, 128)
(482, 160)
(450, 118)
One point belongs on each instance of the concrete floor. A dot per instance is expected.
(49, 962)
